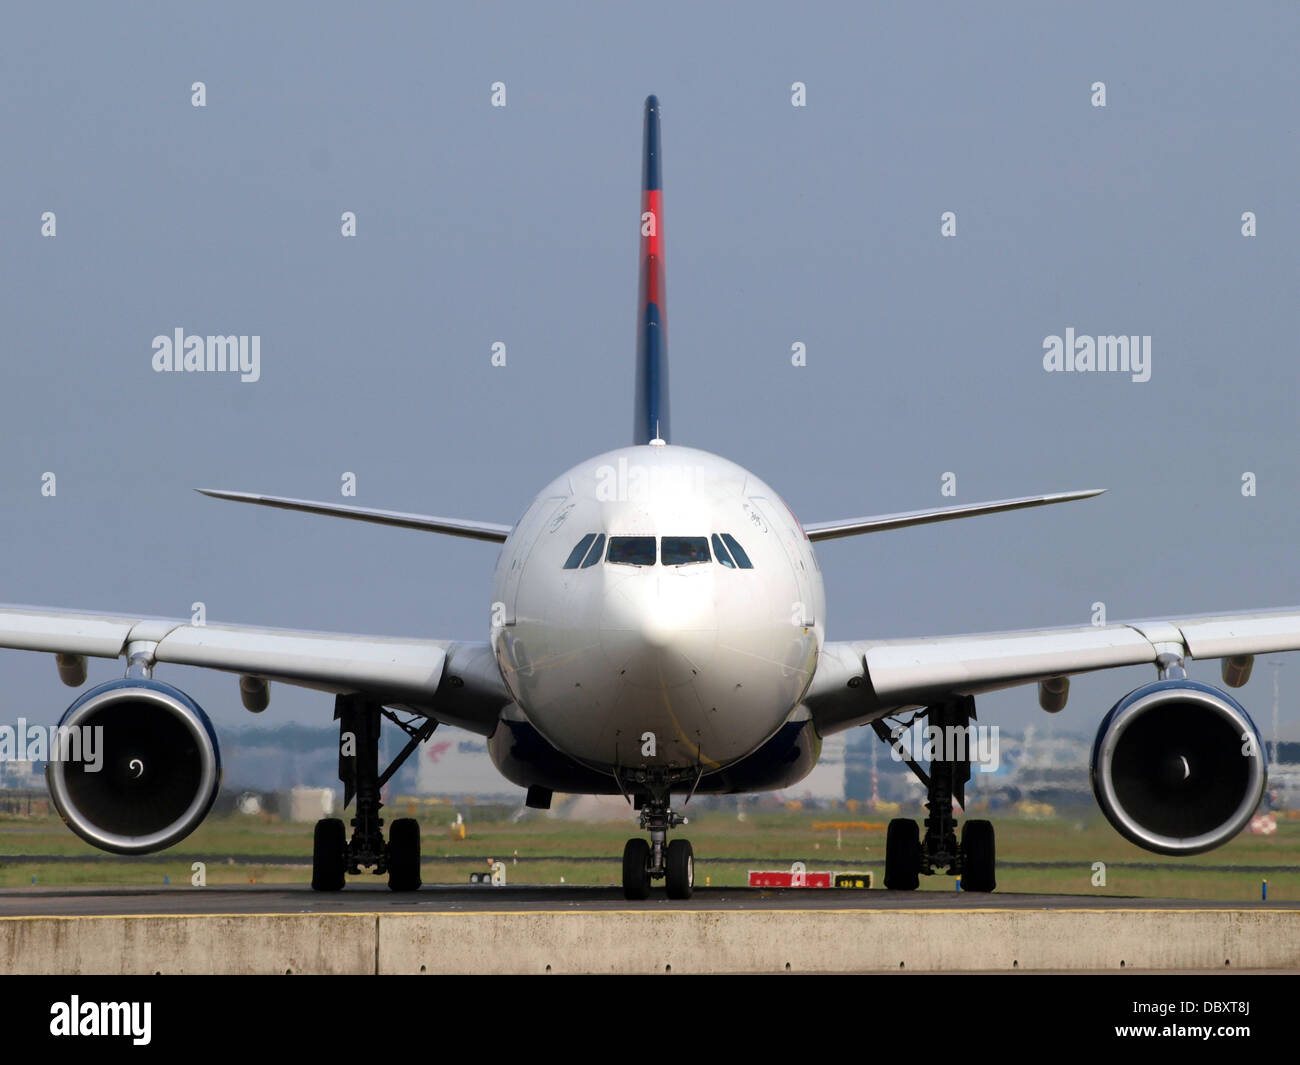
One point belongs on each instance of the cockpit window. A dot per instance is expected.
(645, 550)
(597, 549)
(720, 552)
(577, 554)
(737, 552)
(683, 550)
(632, 550)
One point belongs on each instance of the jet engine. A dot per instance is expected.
(1178, 767)
(137, 767)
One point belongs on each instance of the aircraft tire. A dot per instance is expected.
(978, 857)
(679, 871)
(636, 869)
(902, 855)
(328, 855)
(404, 855)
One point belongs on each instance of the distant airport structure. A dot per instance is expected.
(826, 783)
(22, 775)
(455, 763)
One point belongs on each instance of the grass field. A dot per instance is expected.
(1053, 855)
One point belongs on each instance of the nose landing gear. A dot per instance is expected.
(674, 862)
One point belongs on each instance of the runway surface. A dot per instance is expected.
(375, 897)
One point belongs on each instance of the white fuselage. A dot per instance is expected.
(661, 665)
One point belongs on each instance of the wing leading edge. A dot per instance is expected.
(833, 530)
(472, 530)
(859, 680)
(394, 670)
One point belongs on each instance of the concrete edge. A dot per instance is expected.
(638, 941)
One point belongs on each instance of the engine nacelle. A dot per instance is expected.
(159, 767)
(1178, 767)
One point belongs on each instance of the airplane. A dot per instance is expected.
(657, 628)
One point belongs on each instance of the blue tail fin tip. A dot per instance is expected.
(651, 177)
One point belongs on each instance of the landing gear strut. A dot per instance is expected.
(643, 862)
(333, 854)
(907, 855)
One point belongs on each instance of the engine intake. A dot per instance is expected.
(1178, 767)
(158, 771)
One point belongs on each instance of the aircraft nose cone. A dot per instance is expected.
(659, 629)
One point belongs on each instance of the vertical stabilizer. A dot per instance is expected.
(651, 416)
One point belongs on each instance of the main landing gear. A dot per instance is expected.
(333, 854)
(907, 855)
(673, 862)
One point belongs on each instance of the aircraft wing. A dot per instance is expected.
(454, 681)
(491, 531)
(834, 530)
(860, 680)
